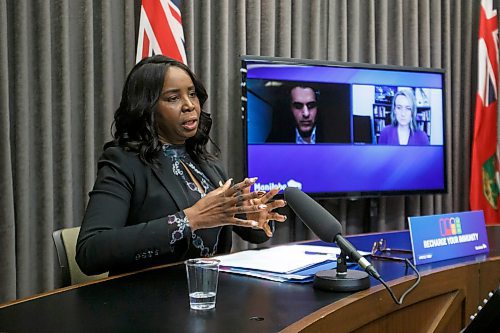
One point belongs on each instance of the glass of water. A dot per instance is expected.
(202, 277)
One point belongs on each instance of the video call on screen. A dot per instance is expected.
(354, 113)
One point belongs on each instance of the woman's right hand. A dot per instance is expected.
(220, 206)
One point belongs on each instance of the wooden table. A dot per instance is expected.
(155, 300)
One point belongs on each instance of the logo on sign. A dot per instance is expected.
(450, 226)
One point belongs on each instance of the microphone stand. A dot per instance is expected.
(342, 263)
(341, 279)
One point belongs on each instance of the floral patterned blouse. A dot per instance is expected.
(203, 242)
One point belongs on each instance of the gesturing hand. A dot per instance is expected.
(220, 206)
(265, 215)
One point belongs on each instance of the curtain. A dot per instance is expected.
(63, 63)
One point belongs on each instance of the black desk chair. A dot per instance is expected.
(65, 242)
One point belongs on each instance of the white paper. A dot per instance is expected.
(278, 277)
(280, 259)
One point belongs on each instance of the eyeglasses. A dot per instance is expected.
(381, 247)
(300, 106)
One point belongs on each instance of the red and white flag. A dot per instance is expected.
(483, 185)
(160, 30)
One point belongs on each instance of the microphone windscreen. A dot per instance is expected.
(314, 216)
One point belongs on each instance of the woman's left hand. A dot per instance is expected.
(266, 215)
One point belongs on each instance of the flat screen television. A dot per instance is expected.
(377, 130)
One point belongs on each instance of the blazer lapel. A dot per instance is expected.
(212, 174)
(170, 182)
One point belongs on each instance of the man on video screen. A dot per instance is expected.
(304, 109)
(303, 120)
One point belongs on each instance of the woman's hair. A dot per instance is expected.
(408, 93)
(135, 122)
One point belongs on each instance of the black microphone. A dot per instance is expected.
(324, 225)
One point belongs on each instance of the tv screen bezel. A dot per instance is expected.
(244, 59)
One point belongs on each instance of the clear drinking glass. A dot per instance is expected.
(202, 276)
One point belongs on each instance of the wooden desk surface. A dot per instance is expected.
(156, 300)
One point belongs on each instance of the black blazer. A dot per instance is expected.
(125, 225)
